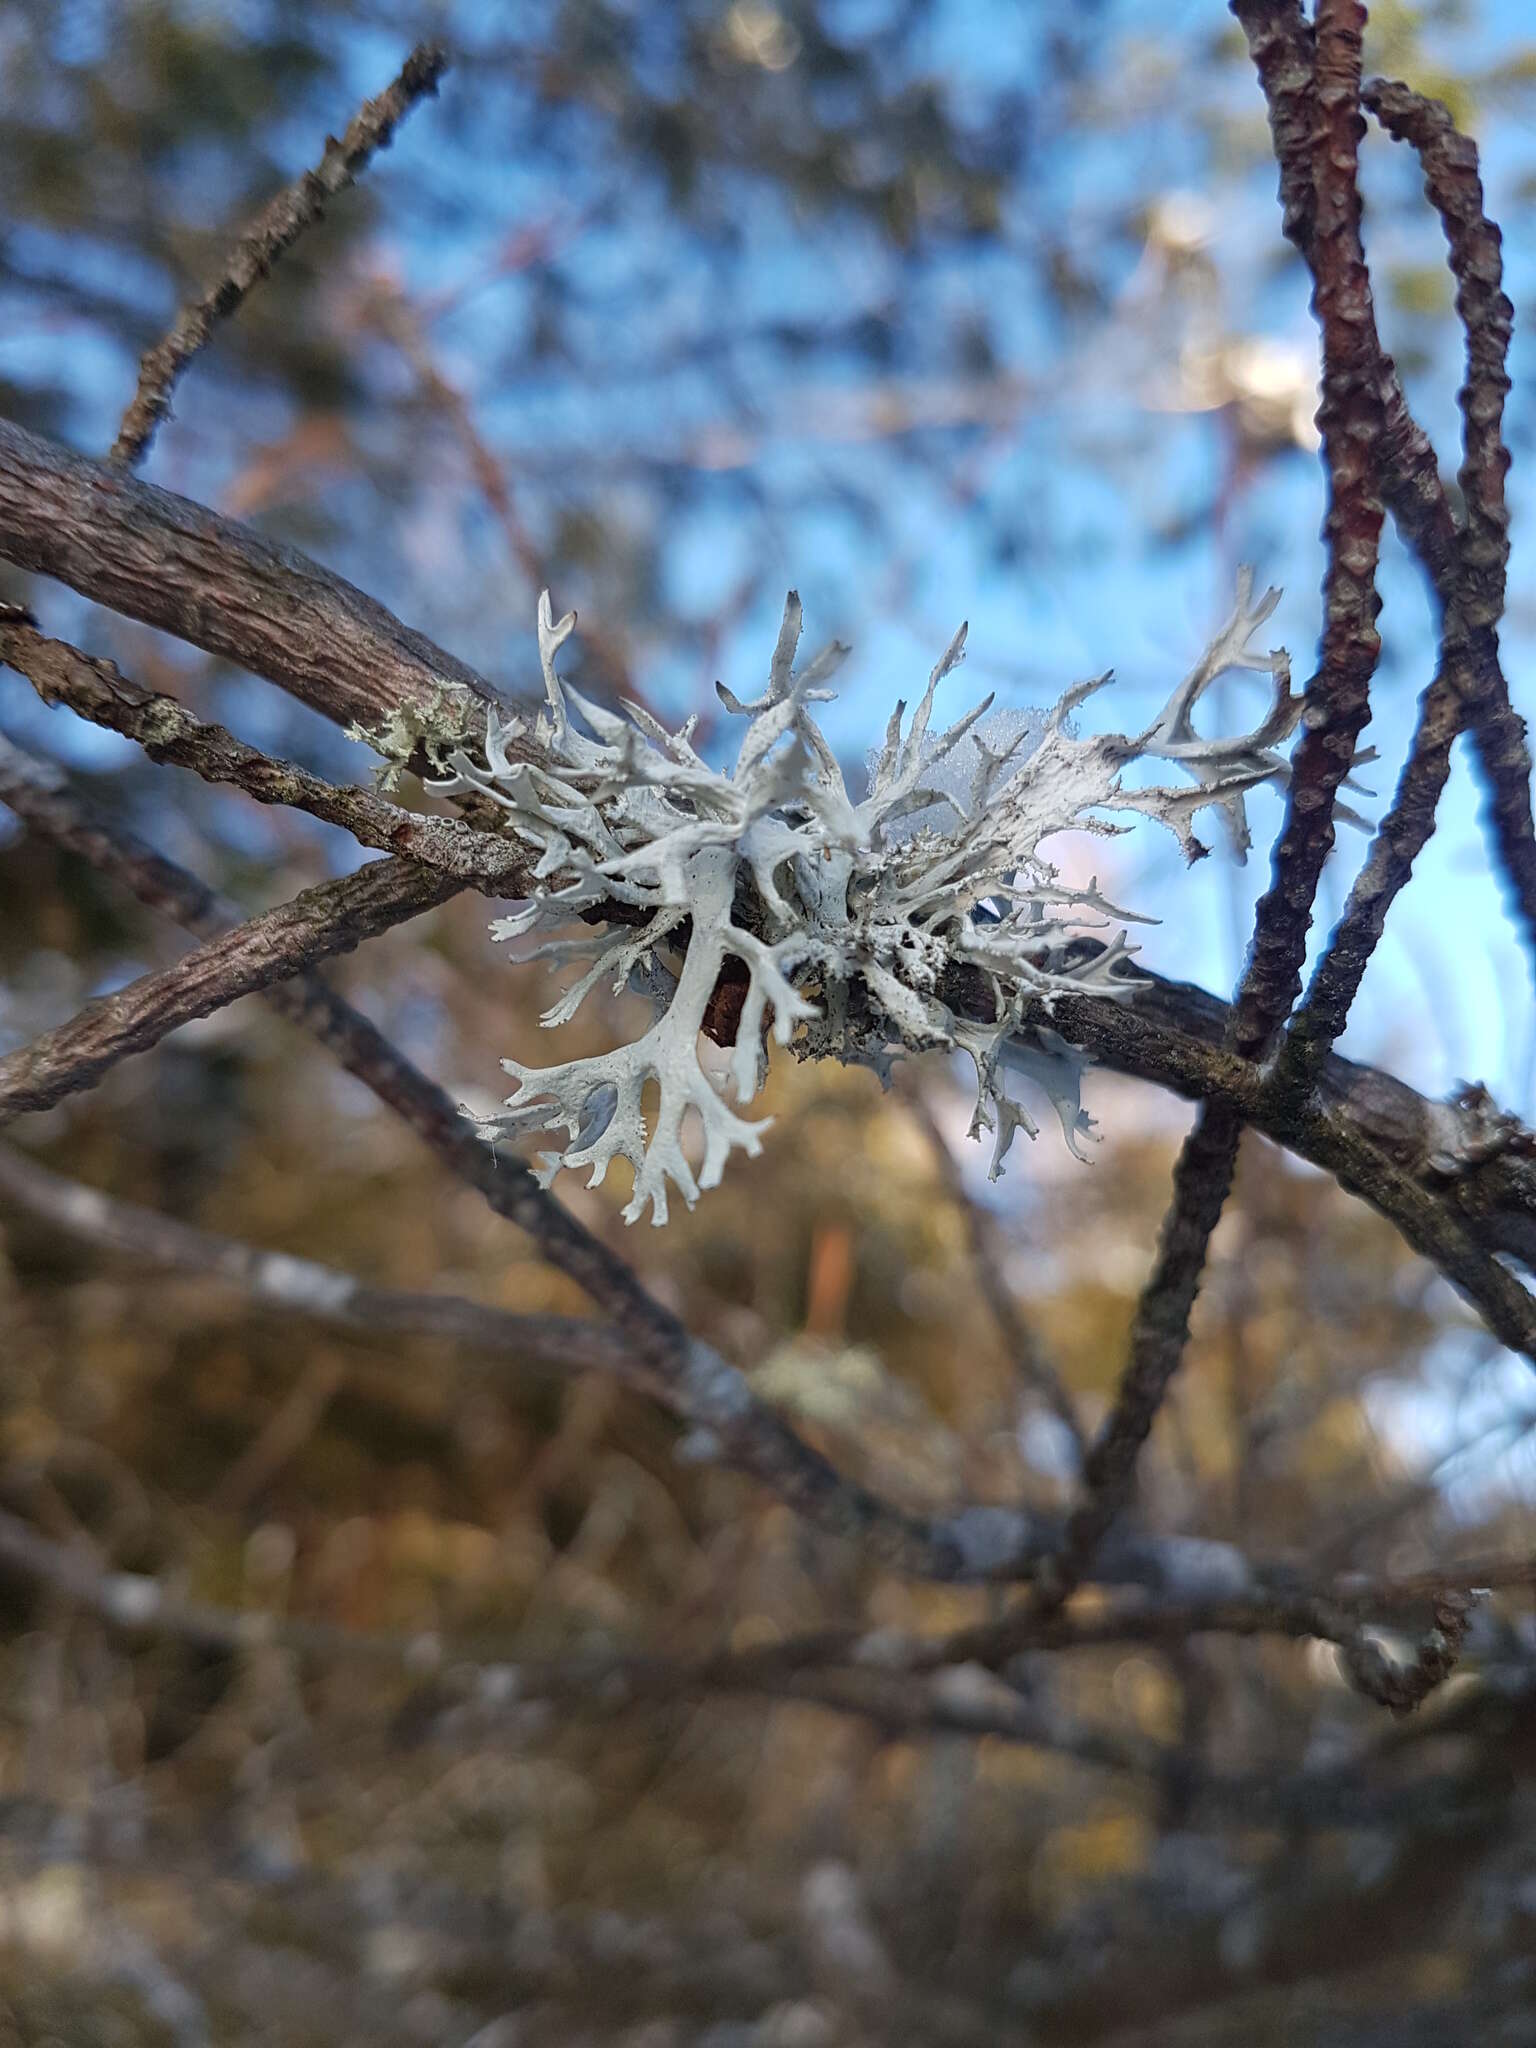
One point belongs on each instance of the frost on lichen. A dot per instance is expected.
(850, 927)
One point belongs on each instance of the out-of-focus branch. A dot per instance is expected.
(291, 1285)
(398, 318)
(333, 917)
(168, 731)
(851, 1670)
(1031, 1362)
(274, 231)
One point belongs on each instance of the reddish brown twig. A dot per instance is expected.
(1351, 421)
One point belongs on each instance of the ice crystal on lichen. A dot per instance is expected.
(849, 923)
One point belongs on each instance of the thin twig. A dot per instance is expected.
(331, 918)
(849, 1669)
(291, 1285)
(269, 236)
(167, 731)
(1202, 1179)
(1455, 189)
(1351, 422)
(1030, 1360)
(291, 1425)
(1468, 684)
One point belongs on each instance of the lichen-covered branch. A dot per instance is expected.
(842, 922)
(274, 231)
(168, 731)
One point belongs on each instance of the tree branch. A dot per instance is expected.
(1448, 1168)
(1351, 422)
(333, 917)
(1451, 179)
(291, 1285)
(850, 1670)
(172, 563)
(1202, 1180)
(269, 236)
(168, 731)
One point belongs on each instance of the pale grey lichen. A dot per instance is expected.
(430, 727)
(848, 923)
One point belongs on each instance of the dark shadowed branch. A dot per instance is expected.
(1351, 422)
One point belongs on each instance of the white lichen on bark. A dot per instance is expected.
(842, 922)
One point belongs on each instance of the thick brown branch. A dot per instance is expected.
(163, 559)
(167, 731)
(269, 236)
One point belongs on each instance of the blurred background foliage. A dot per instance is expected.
(927, 308)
